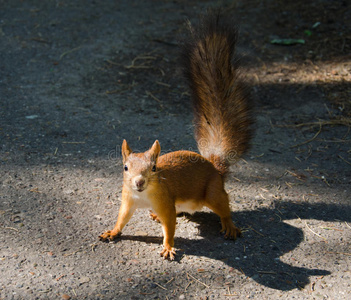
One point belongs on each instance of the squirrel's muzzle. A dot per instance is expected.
(139, 183)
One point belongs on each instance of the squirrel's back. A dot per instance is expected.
(222, 106)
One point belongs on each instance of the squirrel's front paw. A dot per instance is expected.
(168, 253)
(108, 236)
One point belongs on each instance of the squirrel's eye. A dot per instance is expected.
(154, 168)
(125, 168)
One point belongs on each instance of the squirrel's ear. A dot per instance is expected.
(125, 150)
(155, 150)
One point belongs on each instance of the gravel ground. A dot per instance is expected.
(77, 77)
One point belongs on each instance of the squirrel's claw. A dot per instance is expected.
(231, 231)
(108, 236)
(168, 253)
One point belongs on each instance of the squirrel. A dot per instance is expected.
(185, 181)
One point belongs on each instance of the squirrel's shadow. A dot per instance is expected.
(266, 238)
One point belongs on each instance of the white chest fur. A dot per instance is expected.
(187, 206)
(141, 199)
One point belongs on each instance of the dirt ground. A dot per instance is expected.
(76, 77)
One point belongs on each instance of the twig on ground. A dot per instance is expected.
(141, 66)
(153, 97)
(145, 294)
(58, 278)
(315, 232)
(12, 228)
(310, 140)
(169, 281)
(197, 280)
(162, 287)
(344, 159)
(72, 253)
(69, 51)
(188, 285)
(250, 227)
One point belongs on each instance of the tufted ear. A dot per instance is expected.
(125, 151)
(155, 151)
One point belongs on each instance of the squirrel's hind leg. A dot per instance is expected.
(218, 201)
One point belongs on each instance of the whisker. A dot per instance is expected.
(157, 172)
(157, 178)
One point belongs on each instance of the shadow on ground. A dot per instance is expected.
(257, 254)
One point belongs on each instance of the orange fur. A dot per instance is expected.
(222, 106)
(184, 180)
(181, 179)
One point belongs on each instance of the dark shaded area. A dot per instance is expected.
(262, 249)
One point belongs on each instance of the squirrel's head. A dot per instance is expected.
(139, 168)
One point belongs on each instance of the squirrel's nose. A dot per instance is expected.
(139, 183)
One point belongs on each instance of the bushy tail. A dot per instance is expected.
(222, 106)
